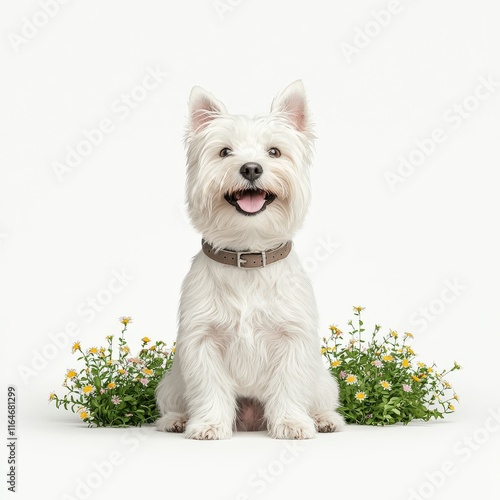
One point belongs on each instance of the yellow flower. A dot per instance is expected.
(71, 374)
(125, 349)
(336, 363)
(405, 363)
(410, 350)
(360, 396)
(358, 309)
(93, 350)
(83, 415)
(451, 407)
(88, 389)
(121, 370)
(430, 370)
(76, 346)
(416, 379)
(146, 339)
(335, 330)
(447, 385)
(111, 385)
(455, 397)
(101, 349)
(173, 350)
(109, 362)
(52, 396)
(394, 334)
(385, 384)
(109, 337)
(328, 349)
(421, 365)
(147, 371)
(388, 357)
(125, 320)
(407, 334)
(351, 379)
(152, 348)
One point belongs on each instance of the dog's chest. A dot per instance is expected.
(251, 299)
(255, 309)
(246, 353)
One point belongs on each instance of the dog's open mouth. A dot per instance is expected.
(250, 201)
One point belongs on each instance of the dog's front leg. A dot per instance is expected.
(288, 394)
(210, 398)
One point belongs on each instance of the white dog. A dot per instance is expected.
(248, 352)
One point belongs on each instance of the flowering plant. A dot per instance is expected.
(115, 389)
(380, 381)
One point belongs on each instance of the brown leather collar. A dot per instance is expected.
(247, 260)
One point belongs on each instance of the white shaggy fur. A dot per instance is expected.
(247, 345)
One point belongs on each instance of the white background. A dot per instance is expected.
(121, 210)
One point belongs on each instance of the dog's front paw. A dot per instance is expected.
(328, 421)
(171, 422)
(208, 431)
(291, 429)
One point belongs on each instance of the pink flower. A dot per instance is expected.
(343, 374)
(406, 388)
(116, 400)
(377, 363)
(144, 381)
(138, 361)
(102, 391)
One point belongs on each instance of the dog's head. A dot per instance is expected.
(248, 178)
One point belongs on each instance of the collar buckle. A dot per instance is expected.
(239, 260)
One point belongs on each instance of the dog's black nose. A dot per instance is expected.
(251, 171)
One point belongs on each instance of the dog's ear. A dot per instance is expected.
(292, 101)
(203, 108)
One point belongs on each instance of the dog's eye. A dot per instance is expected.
(225, 152)
(274, 153)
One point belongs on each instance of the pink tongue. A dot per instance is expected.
(252, 201)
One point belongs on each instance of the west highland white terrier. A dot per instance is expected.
(248, 351)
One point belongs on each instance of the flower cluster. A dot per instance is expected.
(115, 389)
(380, 381)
